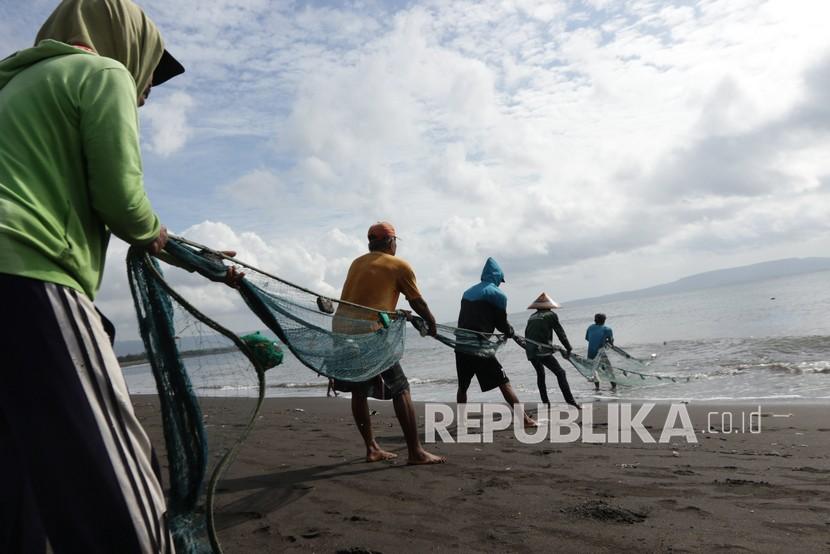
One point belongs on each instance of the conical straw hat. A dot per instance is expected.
(544, 302)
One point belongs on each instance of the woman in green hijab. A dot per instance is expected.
(78, 470)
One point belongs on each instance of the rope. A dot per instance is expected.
(276, 278)
(421, 326)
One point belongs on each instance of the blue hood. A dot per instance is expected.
(488, 289)
(492, 272)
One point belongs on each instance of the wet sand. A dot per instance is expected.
(300, 484)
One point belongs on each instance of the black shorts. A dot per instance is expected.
(389, 384)
(488, 371)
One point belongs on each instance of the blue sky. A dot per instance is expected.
(589, 146)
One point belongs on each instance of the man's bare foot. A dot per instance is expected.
(423, 458)
(379, 455)
(530, 422)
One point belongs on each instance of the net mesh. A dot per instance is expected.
(614, 365)
(464, 340)
(338, 340)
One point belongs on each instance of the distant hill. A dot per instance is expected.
(720, 278)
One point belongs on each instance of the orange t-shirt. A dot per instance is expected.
(376, 280)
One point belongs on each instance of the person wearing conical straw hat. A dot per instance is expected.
(539, 330)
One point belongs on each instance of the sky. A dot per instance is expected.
(588, 146)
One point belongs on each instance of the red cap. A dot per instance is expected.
(381, 230)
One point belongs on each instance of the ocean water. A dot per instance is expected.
(767, 340)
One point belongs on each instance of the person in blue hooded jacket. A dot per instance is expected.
(484, 309)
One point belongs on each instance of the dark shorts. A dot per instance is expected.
(488, 371)
(389, 384)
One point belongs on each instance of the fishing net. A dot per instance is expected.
(614, 365)
(464, 340)
(193, 360)
(611, 364)
(332, 338)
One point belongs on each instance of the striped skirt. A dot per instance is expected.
(76, 467)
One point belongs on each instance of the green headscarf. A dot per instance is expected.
(117, 29)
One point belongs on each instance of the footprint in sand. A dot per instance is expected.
(599, 510)
(310, 533)
(693, 510)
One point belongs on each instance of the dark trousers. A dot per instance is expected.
(539, 364)
(75, 464)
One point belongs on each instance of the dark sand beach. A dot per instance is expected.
(300, 484)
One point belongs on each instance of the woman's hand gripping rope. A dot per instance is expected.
(158, 243)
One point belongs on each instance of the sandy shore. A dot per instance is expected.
(300, 484)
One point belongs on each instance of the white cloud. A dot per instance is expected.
(167, 116)
(259, 188)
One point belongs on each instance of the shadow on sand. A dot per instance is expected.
(274, 490)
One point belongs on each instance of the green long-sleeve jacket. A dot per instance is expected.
(70, 166)
(540, 328)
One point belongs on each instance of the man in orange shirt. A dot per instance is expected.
(376, 280)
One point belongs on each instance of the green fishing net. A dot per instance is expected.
(198, 364)
(464, 340)
(614, 365)
(194, 360)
